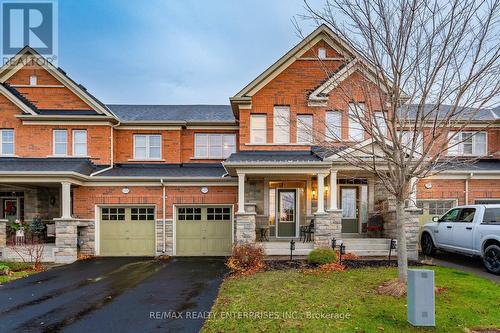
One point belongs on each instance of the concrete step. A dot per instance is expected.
(380, 247)
(286, 252)
(373, 253)
(285, 245)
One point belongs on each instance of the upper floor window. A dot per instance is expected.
(356, 112)
(467, 143)
(258, 128)
(33, 80)
(61, 142)
(281, 124)
(333, 121)
(407, 138)
(7, 142)
(321, 53)
(79, 142)
(305, 128)
(147, 147)
(216, 146)
(380, 122)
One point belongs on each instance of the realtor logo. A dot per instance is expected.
(32, 23)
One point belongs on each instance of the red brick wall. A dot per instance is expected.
(85, 198)
(36, 141)
(455, 189)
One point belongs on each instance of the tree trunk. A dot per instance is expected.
(402, 250)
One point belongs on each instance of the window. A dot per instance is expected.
(113, 214)
(147, 147)
(258, 131)
(79, 143)
(61, 142)
(451, 216)
(214, 145)
(356, 131)
(218, 214)
(281, 124)
(407, 140)
(380, 122)
(7, 142)
(491, 215)
(189, 214)
(33, 80)
(467, 143)
(142, 214)
(304, 128)
(466, 215)
(333, 122)
(321, 53)
(436, 207)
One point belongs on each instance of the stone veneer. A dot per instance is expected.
(245, 225)
(86, 237)
(66, 241)
(326, 226)
(169, 240)
(3, 234)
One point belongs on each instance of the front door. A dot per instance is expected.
(349, 206)
(286, 216)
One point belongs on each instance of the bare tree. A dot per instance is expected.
(426, 70)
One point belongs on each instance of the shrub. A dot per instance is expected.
(246, 259)
(17, 266)
(4, 270)
(322, 256)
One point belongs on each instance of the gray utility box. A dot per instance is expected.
(421, 305)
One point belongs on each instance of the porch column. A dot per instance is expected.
(321, 193)
(241, 193)
(333, 189)
(66, 200)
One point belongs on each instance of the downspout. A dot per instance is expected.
(163, 214)
(112, 152)
(467, 188)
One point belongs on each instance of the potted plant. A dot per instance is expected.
(18, 227)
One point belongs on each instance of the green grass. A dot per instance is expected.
(469, 302)
(18, 270)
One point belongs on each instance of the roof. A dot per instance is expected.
(479, 165)
(17, 164)
(273, 156)
(188, 113)
(191, 170)
(443, 110)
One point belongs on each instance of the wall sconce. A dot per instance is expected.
(314, 194)
(326, 189)
(125, 190)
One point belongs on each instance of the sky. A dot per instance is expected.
(173, 51)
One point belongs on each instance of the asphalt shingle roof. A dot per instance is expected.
(189, 113)
(410, 111)
(192, 170)
(16, 164)
(273, 156)
(479, 165)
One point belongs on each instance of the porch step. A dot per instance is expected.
(368, 247)
(281, 248)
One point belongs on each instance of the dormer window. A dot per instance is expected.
(322, 53)
(33, 80)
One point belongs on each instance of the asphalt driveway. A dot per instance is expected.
(113, 295)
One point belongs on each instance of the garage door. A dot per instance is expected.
(203, 231)
(127, 231)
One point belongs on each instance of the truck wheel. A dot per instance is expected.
(427, 244)
(491, 259)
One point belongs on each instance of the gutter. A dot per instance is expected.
(112, 151)
(467, 187)
(163, 215)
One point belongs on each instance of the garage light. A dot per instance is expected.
(125, 190)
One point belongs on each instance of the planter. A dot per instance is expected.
(20, 233)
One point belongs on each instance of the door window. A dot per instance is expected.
(287, 206)
(348, 203)
(451, 216)
(466, 215)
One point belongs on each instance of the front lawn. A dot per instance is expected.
(17, 270)
(293, 299)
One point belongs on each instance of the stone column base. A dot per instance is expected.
(66, 251)
(244, 228)
(327, 226)
(3, 233)
(412, 229)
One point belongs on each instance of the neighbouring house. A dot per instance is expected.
(191, 180)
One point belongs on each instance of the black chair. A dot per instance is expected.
(307, 231)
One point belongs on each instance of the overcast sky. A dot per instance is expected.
(173, 51)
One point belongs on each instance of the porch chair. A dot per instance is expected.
(307, 231)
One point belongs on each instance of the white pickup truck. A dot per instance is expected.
(472, 230)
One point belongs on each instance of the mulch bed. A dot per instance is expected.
(274, 265)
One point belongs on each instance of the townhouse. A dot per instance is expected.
(191, 180)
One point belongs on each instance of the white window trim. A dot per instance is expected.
(33, 80)
(207, 156)
(351, 121)
(13, 142)
(148, 148)
(253, 129)
(382, 117)
(329, 132)
(420, 137)
(320, 51)
(310, 130)
(285, 128)
(74, 142)
(460, 146)
(54, 142)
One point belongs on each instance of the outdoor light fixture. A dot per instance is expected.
(428, 186)
(334, 243)
(204, 190)
(292, 248)
(392, 246)
(342, 251)
(314, 194)
(125, 190)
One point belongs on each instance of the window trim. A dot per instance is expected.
(328, 131)
(148, 148)
(54, 142)
(297, 138)
(460, 146)
(13, 142)
(382, 116)
(253, 129)
(320, 55)
(208, 156)
(33, 80)
(73, 132)
(350, 122)
(280, 126)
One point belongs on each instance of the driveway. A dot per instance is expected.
(113, 295)
(467, 264)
